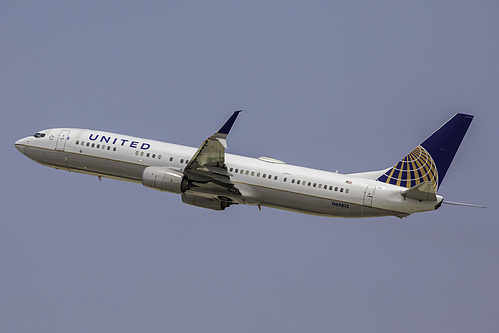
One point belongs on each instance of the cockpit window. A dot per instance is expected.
(39, 135)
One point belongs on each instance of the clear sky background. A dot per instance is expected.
(335, 85)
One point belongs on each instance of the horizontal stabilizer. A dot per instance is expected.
(370, 174)
(424, 191)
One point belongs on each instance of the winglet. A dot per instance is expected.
(222, 133)
(228, 124)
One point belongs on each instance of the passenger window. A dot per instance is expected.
(242, 171)
(252, 173)
(258, 174)
(147, 155)
(186, 161)
(264, 176)
(236, 171)
(341, 189)
(153, 155)
(171, 159)
(320, 185)
(285, 179)
(114, 149)
(347, 190)
(315, 184)
(141, 153)
(137, 153)
(181, 160)
(77, 142)
(230, 170)
(336, 188)
(270, 176)
(309, 183)
(103, 147)
(159, 157)
(275, 177)
(298, 182)
(292, 180)
(88, 144)
(330, 188)
(108, 147)
(82, 143)
(247, 172)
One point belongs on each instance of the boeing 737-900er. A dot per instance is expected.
(211, 178)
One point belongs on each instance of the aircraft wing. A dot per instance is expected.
(206, 170)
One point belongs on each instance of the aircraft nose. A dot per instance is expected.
(20, 144)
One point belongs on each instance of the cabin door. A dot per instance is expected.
(369, 195)
(61, 141)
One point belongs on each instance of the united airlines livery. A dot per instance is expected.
(210, 178)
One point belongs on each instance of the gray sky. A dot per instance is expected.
(335, 85)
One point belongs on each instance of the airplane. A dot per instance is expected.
(208, 177)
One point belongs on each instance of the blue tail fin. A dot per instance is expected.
(430, 161)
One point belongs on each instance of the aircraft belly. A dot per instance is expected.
(313, 205)
(48, 157)
(105, 167)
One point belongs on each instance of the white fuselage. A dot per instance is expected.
(262, 182)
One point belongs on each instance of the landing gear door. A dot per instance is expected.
(61, 141)
(369, 195)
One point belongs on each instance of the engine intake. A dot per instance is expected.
(164, 179)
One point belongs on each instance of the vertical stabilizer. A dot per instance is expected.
(430, 161)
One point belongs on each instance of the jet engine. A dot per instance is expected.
(164, 179)
(196, 200)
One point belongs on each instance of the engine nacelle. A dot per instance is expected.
(164, 179)
(196, 200)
